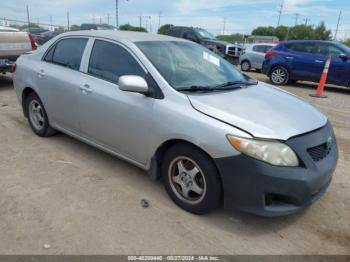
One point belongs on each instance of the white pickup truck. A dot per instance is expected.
(13, 43)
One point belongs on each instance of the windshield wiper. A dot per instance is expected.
(237, 83)
(196, 88)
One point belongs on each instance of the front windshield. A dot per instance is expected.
(204, 33)
(186, 65)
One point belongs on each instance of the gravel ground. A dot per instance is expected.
(60, 196)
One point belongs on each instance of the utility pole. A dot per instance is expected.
(51, 21)
(28, 17)
(140, 17)
(108, 18)
(159, 16)
(68, 26)
(93, 18)
(307, 20)
(100, 20)
(296, 18)
(336, 31)
(280, 13)
(224, 28)
(117, 14)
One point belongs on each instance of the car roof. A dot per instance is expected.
(308, 41)
(123, 35)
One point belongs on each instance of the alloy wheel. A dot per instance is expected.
(187, 180)
(279, 76)
(36, 115)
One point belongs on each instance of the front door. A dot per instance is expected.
(117, 120)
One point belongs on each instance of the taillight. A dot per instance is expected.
(270, 54)
(32, 41)
(13, 67)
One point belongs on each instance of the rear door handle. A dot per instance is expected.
(289, 57)
(86, 89)
(41, 73)
(319, 61)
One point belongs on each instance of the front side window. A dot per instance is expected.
(204, 33)
(110, 61)
(328, 50)
(67, 52)
(186, 65)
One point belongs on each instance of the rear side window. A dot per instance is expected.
(110, 61)
(301, 47)
(67, 52)
(261, 48)
(177, 31)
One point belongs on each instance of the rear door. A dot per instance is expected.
(115, 119)
(58, 77)
(304, 61)
(258, 55)
(338, 70)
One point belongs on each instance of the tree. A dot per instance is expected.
(347, 42)
(231, 38)
(303, 32)
(263, 30)
(75, 28)
(321, 32)
(128, 27)
(163, 30)
(282, 32)
(31, 25)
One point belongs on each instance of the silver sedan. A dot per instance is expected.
(183, 114)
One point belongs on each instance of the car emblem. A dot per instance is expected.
(329, 143)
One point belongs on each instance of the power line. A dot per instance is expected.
(336, 31)
(280, 13)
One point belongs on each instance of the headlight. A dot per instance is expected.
(272, 152)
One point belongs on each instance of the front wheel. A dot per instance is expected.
(37, 116)
(279, 76)
(191, 179)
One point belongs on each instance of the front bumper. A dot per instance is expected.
(260, 188)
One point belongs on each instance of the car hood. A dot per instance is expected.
(262, 110)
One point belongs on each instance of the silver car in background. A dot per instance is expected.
(183, 114)
(254, 56)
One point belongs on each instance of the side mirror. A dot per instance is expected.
(134, 84)
(343, 57)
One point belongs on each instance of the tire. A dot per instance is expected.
(246, 66)
(37, 116)
(204, 192)
(279, 76)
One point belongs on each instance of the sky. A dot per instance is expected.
(241, 15)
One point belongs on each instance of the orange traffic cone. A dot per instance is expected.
(323, 80)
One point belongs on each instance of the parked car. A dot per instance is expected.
(179, 111)
(254, 56)
(46, 36)
(35, 32)
(305, 60)
(12, 44)
(8, 29)
(229, 51)
(97, 27)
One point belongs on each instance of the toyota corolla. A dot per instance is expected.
(177, 110)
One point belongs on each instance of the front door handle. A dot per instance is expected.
(86, 89)
(289, 57)
(319, 61)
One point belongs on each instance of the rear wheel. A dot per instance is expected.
(37, 116)
(191, 179)
(279, 76)
(246, 66)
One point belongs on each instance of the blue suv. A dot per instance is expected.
(305, 60)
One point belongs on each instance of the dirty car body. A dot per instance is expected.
(181, 112)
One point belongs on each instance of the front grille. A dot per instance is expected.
(235, 51)
(318, 153)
